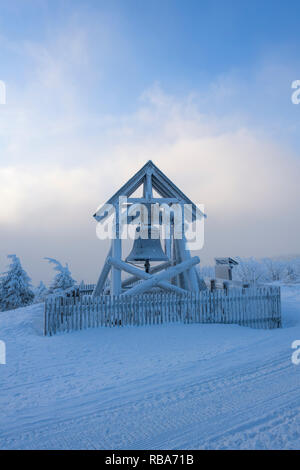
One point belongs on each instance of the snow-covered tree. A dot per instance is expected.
(63, 279)
(249, 270)
(292, 270)
(15, 286)
(262, 270)
(274, 269)
(40, 293)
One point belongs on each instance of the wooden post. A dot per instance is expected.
(168, 246)
(116, 287)
(147, 188)
(103, 276)
(183, 277)
(175, 258)
(185, 255)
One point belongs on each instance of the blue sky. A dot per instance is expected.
(183, 45)
(95, 88)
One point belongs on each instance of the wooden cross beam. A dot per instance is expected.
(153, 270)
(143, 275)
(153, 200)
(157, 279)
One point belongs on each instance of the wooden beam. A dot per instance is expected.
(153, 200)
(175, 260)
(168, 274)
(103, 213)
(186, 255)
(147, 189)
(116, 285)
(116, 275)
(168, 246)
(153, 270)
(103, 276)
(183, 278)
(121, 265)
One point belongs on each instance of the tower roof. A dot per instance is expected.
(159, 181)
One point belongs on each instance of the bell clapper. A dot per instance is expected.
(147, 266)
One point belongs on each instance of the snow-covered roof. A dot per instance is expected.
(160, 183)
(226, 261)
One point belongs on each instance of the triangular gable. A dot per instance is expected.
(160, 182)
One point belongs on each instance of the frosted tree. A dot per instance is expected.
(40, 293)
(249, 270)
(262, 270)
(292, 270)
(63, 279)
(15, 286)
(274, 268)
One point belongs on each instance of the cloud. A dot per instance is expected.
(60, 160)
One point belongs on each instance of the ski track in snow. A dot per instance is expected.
(158, 387)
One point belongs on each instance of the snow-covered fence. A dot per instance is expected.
(86, 289)
(255, 307)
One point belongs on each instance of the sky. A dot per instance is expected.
(94, 89)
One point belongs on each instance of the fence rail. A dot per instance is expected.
(255, 307)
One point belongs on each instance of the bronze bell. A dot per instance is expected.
(146, 249)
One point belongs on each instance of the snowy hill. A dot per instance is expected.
(166, 386)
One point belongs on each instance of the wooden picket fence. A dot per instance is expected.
(86, 289)
(254, 307)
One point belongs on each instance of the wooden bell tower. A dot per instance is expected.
(176, 271)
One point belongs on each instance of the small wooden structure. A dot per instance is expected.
(223, 268)
(177, 271)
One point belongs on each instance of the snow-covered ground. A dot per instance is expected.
(170, 386)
